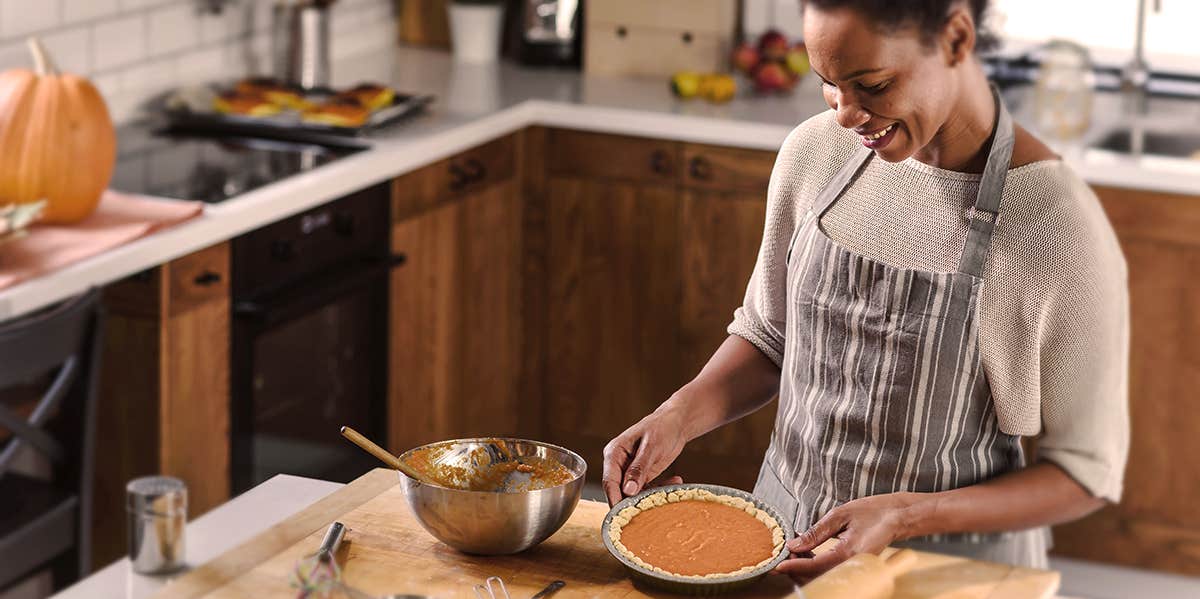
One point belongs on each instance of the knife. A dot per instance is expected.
(549, 590)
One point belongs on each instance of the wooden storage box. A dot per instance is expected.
(659, 37)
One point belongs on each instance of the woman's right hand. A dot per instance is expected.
(642, 453)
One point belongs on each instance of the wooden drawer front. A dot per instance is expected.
(727, 169)
(454, 177)
(696, 16)
(612, 157)
(198, 278)
(633, 51)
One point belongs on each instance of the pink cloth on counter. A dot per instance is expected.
(118, 219)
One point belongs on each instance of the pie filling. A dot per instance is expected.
(694, 533)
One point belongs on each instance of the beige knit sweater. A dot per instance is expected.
(1054, 307)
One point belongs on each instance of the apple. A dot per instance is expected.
(771, 76)
(773, 45)
(745, 58)
(797, 59)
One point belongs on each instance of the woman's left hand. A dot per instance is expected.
(865, 525)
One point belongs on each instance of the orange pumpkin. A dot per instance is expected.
(56, 140)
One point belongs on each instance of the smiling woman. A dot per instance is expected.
(918, 314)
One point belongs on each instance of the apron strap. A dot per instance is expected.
(991, 188)
(840, 181)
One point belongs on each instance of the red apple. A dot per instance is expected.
(771, 76)
(745, 58)
(773, 45)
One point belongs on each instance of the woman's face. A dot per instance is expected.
(880, 82)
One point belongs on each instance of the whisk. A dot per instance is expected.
(318, 574)
(480, 589)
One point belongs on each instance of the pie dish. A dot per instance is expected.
(666, 536)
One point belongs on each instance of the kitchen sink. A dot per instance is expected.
(1132, 141)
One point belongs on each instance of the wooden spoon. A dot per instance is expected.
(384, 455)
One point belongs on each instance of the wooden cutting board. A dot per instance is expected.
(387, 551)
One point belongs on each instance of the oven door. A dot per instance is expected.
(306, 361)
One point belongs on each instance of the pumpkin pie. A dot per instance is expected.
(696, 534)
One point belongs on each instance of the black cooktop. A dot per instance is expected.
(211, 169)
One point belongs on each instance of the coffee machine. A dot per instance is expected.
(550, 32)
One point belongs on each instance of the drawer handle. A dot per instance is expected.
(207, 278)
(660, 163)
(700, 168)
(458, 178)
(622, 31)
(476, 172)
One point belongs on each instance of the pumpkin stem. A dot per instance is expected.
(42, 62)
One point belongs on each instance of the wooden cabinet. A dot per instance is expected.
(1156, 524)
(164, 388)
(651, 244)
(456, 328)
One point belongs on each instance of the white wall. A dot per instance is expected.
(1105, 26)
(133, 49)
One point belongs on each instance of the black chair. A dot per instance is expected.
(47, 523)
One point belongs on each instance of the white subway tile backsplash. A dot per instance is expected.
(71, 49)
(109, 85)
(134, 49)
(202, 66)
(21, 17)
(150, 77)
(15, 55)
(172, 28)
(119, 42)
(127, 5)
(87, 10)
(232, 23)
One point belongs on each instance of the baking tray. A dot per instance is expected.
(190, 109)
(691, 586)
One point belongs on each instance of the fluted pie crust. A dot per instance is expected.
(661, 498)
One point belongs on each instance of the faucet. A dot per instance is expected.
(1136, 74)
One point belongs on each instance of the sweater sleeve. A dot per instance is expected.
(1070, 358)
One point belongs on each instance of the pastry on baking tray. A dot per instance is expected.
(273, 91)
(340, 112)
(248, 104)
(695, 533)
(371, 95)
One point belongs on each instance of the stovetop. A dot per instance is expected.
(210, 169)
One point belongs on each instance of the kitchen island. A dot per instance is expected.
(287, 498)
(594, 195)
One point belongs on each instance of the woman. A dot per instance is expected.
(933, 284)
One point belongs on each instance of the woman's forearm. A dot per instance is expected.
(1040, 495)
(737, 380)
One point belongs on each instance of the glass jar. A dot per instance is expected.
(1064, 90)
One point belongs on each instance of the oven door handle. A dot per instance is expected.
(259, 311)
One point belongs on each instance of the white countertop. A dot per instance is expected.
(210, 535)
(478, 103)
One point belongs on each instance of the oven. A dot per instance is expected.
(309, 345)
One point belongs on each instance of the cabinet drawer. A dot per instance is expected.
(633, 51)
(198, 278)
(451, 178)
(727, 169)
(614, 157)
(708, 16)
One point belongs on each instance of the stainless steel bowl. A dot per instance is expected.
(488, 522)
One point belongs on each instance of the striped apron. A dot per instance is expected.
(882, 387)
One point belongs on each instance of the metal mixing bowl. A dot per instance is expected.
(491, 522)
